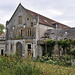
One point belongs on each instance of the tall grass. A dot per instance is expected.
(17, 66)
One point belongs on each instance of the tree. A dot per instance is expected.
(1, 28)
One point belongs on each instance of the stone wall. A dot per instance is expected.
(24, 47)
(43, 29)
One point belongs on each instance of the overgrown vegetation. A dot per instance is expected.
(18, 66)
(45, 65)
(66, 45)
(1, 28)
(19, 37)
(73, 53)
(64, 60)
(48, 46)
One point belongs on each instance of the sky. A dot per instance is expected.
(62, 11)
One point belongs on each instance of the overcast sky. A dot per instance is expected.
(62, 11)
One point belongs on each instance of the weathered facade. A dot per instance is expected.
(24, 29)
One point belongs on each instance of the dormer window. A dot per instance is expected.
(20, 19)
(55, 25)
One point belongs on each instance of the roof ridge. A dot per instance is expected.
(42, 18)
(46, 17)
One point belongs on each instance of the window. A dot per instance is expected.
(29, 46)
(27, 18)
(55, 25)
(2, 52)
(11, 47)
(29, 31)
(21, 32)
(31, 24)
(20, 19)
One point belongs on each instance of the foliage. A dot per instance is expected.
(1, 28)
(17, 66)
(73, 52)
(64, 60)
(50, 46)
(66, 44)
(49, 41)
(19, 37)
(73, 41)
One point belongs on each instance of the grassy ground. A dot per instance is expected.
(49, 69)
(18, 66)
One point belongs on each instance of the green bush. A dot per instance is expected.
(73, 53)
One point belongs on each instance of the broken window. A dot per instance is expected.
(31, 24)
(11, 47)
(21, 32)
(29, 46)
(27, 18)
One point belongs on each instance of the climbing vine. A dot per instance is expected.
(49, 46)
(65, 44)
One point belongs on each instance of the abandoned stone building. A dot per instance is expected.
(25, 28)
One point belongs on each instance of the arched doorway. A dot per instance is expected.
(18, 49)
(2, 52)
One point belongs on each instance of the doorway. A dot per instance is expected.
(29, 50)
(2, 52)
(19, 49)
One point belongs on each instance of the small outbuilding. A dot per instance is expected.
(2, 44)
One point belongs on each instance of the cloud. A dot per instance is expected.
(53, 12)
(60, 10)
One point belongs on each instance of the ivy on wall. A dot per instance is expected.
(64, 43)
(49, 46)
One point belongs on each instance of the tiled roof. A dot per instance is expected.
(61, 33)
(47, 21)
(42, 19)
(2, 36)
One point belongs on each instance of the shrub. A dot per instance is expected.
(65, 60)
